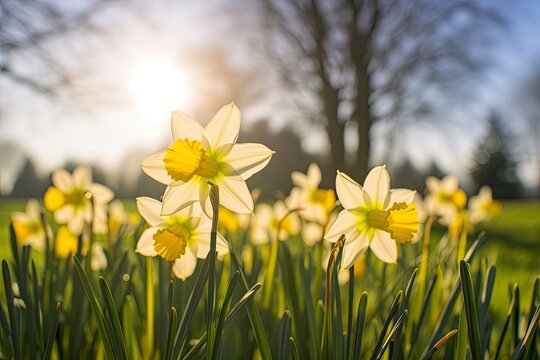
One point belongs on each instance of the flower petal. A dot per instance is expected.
(76, 223)
(384, 247)
(178, 197)
(314, 175)
(82, 176)
(246, 159)
(185, 265)
(145, 245)
(234, 195)
(355, 246)
(204, 198)
(449, 184)
(224, 126)
(299, 179)
(33, 210)
(377, 185)
(64, 214)
(400, 195)
(150, 210)
(345, 223)
(62, 180)
(349, 191)
(184, 127)
(153, 167)
(101, 193)
(203, 245)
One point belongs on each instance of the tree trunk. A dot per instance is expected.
(363, 120)
(334, 129)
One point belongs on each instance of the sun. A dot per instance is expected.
(158, 87)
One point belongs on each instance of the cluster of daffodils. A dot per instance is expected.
(447, 201)
(74, 201)
(197, 158)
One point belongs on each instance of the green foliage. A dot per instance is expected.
(383, 312)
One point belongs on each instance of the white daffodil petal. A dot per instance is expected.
(355, 246)
(234, 195)
(153, 167)
(314, 175)
(449, 184)
(203, 245)
(76, 223)
(82, 176)
(384, 247)
(184, 127)
(224, 126)
(377, 184)
(312, 233)
(101, 193)
(150, 209)
(400, 195)
(299, 179)
(185, 265)
(33, 209)
(62, 180)
(178, 197)
(349, 191)
(64, 214)
(145, 245)
(433, 184)
(345, 223)
(204, 198)
(246, 159)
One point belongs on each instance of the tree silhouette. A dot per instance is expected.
(494, 162)
(28, 184)
(349, 64)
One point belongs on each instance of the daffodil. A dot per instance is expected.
(182, 237)
(70, 196)
(198, 156)
(444, 198)
(314, 204)
(267, 220)
(230, 222)
(482, 206)
(374, 216)
(65, 242)
(28, 227)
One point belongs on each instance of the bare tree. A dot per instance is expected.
(352, 63)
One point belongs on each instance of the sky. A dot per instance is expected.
(144, 69)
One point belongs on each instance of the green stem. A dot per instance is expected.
(210, 329)
(149, 307)
(422, 273)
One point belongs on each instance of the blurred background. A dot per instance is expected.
(425, 86)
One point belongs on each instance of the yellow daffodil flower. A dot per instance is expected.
(69, 200)
(315, 204)
(482, 206)
(230, 222)
(28, 227)
(444, 198)
(267, 219)
(65, 243)
(198, 156)
(182, 237)
(374, 217)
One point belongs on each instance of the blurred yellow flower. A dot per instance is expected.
(230, 222)
(182, 237)
(315, 204)
(374, 216)
(65, 243)
(69, 201)
(267, 219)
(198, 156)
(117, 216)
(28, 227)
(444, 198)
(482, 206)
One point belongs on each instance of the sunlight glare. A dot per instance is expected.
(158, 87)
